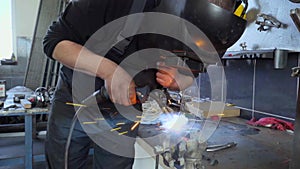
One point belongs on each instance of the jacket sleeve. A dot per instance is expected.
(58, 31)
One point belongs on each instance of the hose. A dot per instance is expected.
(100, 96)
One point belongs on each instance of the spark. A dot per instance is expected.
(90, 122)
(75, 104)
(125, 132)
(115, 129)
(135, 125)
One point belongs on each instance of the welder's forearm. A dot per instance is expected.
(79, 58)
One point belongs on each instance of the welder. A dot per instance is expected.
(65, 42)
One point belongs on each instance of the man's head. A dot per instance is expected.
(215, 18)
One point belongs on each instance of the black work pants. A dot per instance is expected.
(59, 124)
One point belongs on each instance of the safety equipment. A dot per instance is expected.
(222, 21)
(218, 23)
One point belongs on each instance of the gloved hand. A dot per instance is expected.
(120, 86)
(169, 77)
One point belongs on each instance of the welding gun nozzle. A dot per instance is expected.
(101, 95)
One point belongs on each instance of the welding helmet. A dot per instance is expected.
(217, 19)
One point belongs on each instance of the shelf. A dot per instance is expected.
(250, 54)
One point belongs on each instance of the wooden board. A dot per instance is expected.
(26, 104)
(209, 109)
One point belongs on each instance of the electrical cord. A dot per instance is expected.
(100, 96)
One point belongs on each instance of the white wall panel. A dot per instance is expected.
(282, 38)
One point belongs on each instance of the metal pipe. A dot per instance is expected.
(280, 58)
(156, 161)
(295, 15)
(253, 88)
(265, 113)
(295, 164)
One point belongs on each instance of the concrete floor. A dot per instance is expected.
(257, 148)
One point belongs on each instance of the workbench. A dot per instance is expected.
(30, 121)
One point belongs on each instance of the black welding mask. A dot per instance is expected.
(217, 19)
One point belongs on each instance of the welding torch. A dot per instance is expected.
(101, 96)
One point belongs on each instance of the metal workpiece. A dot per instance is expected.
(213, 148)
(183, 146)
(184, 152)
(280, 58)
(266, 22)
(193, 154)
(187, 154)
(295, 15)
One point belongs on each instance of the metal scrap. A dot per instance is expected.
(214, 148)
(267, 22)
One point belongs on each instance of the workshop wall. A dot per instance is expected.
(258, 86)
(14, 74)
(285, 37)
(23, 22)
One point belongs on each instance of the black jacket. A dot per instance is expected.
(81, 19)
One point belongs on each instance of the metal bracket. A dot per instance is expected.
(295, 15)
(268, 22)
(295, 72)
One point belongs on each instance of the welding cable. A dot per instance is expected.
(100, 96)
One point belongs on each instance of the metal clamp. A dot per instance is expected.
(295, 15)
(214, 148)
(268, 22)
(295, 72)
